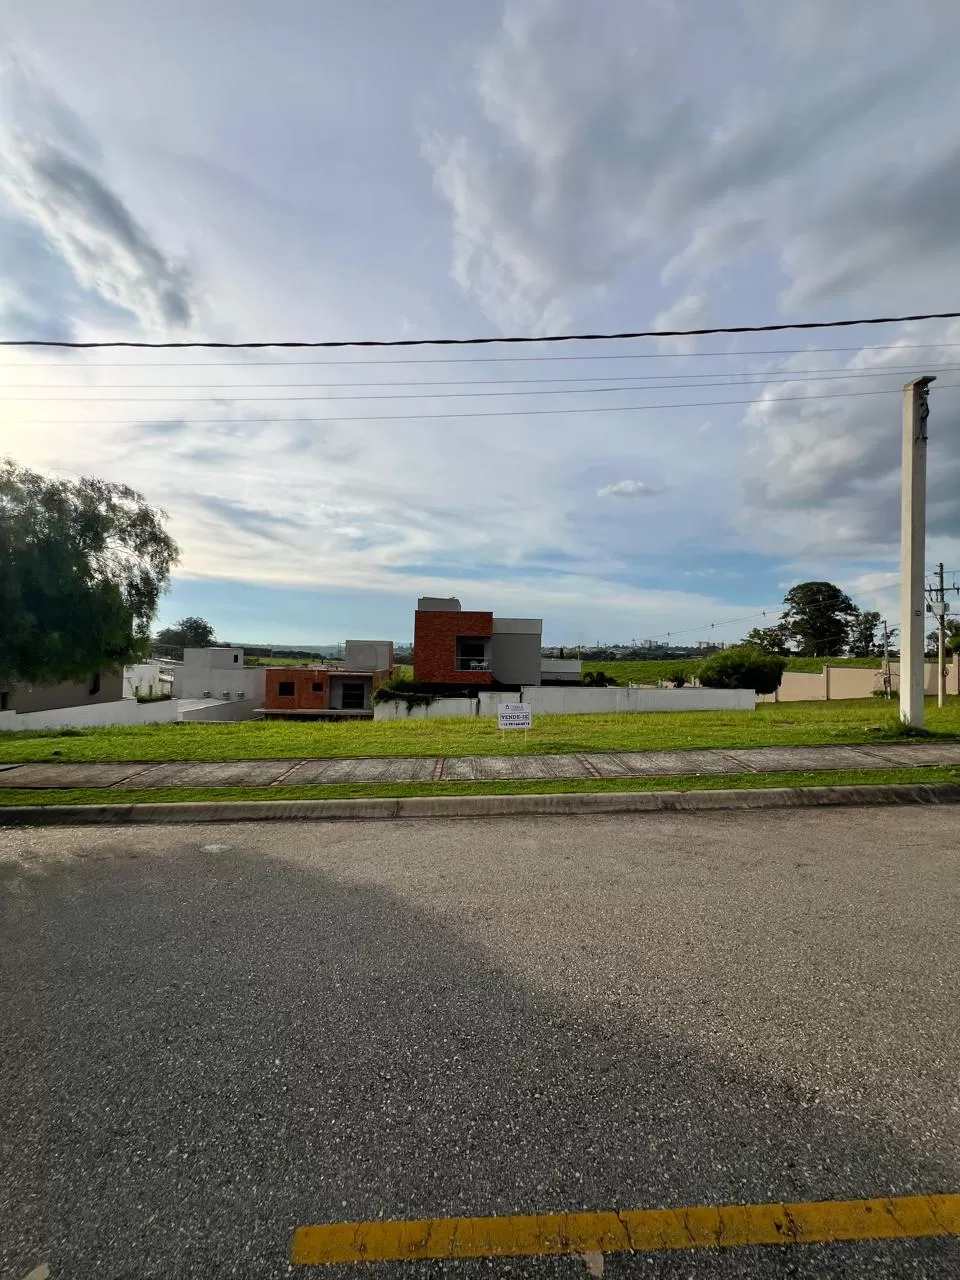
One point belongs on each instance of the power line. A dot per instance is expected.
(484, 413)
(733, 379)
(418, 360)
(765, 613)
(479, 342)
(444, 394)
(441, 395)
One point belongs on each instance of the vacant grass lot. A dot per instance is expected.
(795, 723)
(649, 671)
(394, 790)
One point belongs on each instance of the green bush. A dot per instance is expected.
(597, 679)
(401, 689)
(743, 667)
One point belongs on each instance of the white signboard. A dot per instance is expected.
(514, 715)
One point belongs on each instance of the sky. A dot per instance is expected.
(314, 170)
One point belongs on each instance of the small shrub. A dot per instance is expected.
(743, 667)
(597, 679)
(678, 677)
(400, 689)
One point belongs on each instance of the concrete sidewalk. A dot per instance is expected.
(300, 772)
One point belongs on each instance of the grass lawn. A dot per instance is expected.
(649, 671)
(787, 724)
(395, 790)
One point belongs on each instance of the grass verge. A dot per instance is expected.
(397, 790)
(771, 725)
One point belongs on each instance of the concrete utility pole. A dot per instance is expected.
(913, 524)
(940, 609)
(887, 682)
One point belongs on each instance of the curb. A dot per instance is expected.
(483, 806)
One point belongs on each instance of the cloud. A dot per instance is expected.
(587, 155)
(629, 489)
(48, 177)
(256, 521)
(896, 226)
(822, 476)
(686, 313)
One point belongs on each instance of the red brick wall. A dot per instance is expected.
(435, 645)
(304, 697)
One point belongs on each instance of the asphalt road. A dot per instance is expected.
(211, 1035)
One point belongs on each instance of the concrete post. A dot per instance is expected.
(913, 495)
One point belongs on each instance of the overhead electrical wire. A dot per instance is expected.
(235, 393)
(418, 360)
(481, 342)
(736, 378)
(765, 613)
(778, 613)
(484, 413)
(512, 412)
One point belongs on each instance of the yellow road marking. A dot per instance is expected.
(723, 1226)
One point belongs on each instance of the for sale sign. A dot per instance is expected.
(514, 715)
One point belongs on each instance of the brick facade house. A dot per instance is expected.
(457, 649)
(331, 692)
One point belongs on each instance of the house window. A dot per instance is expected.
(285, 689)
(472, 654)
(93, 687)
(236, 657)
(317, 686)
(4, 701)
(352, 698)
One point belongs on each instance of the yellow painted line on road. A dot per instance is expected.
(639, 1230)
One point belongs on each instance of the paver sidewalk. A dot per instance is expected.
(618, 764)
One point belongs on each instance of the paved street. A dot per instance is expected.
(601, 764)
(212, 1035)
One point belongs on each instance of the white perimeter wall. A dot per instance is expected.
(128, 711)
(574, 702)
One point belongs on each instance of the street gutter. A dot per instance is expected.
(481, 806)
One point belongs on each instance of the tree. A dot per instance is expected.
(932, 648)
(818, 616)
(82, 566)
(743, 666)
(774, 639)
(862, 639)
(188, 633)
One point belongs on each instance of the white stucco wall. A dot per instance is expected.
(126, 712)
(571, 702)
(213, 673)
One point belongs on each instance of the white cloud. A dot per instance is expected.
(822, 475)
(686, 313)
(48, 176)
(628, 489)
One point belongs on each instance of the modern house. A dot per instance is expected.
(466, 649)
(103, 686)
(331, 692)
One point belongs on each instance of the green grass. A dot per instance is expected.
(396, 790)
(772, 724)
(649, 671)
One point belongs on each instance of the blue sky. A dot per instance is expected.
(439, 168)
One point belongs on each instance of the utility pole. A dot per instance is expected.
(887, 682)
(940, 609)
(913, 497)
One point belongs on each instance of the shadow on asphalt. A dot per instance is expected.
(202, 1051)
